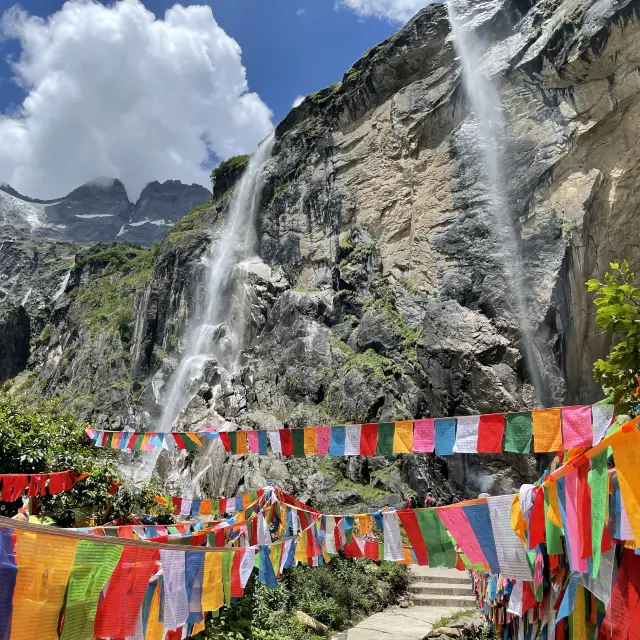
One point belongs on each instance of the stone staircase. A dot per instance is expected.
(441, 588)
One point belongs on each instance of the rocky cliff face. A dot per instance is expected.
(379, 293)
(100, 211)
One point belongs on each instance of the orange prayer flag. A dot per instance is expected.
(310, 441)
(626, 454)
(403, 437)
(194, 438)
(205, 508)
(547, 430)
(242, 446)
(246, 500)
(160, 500)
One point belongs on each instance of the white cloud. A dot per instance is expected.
(394, 10)
(297, 102)
(301, 12)
(113, 91)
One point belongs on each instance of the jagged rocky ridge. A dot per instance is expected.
(100, 211)
(378, 295)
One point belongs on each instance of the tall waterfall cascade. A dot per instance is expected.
(487, 112)
(215, 334)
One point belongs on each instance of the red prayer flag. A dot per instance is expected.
(118, 610)
(179, 440)
(177, 503)
(490, 433)
(410, 524)
(584, 512)
(37, 485)
(352, 550)
(371, 550)
(57, 482)
(13, 486)
(368, 439)
(226, 442)
(236, 585)
(537, 529)
(286, 442)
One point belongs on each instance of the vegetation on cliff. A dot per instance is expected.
(618, 302)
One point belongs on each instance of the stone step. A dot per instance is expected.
(443, 589)
(462, 579)
(463, 602)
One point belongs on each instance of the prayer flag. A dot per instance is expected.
(412, 528)
(392, 540)
(286, 442)
(445, 435)
(423, 435)
(576, 427)
(440, 547)
(233, 441)
(480, 521)
(93, 566)
(519, 429)
(212, 593)
(626, 453)
(455, 520)
(601, 416)
(274, 441)
(490, 433)
(8, 572)
(368, 439)
(176, 606)
(224, 438)
(467, 434)
(386, 435)
(324, 438)
(45, 565)
(336, 446)
(403, 437)
(352, 440)
(252, 441)
(297, 441)
(262, 443)
(511, 554)
(310, 441)
(547, 430)
(121, 601)
(241, 443)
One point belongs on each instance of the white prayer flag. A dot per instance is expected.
(352, 440)
(511, 553)
(467, 434)
(601, 417)
(274, 439)
(176, 606)
(392, 541)
(246, 565)
(185, 507)
(516, 598)
(330, 539)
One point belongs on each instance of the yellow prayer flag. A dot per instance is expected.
(194, 438)
(242, 446)
(403, 437)
(197, 627)
(310, 441)
(155, 628)
(579, 616)
(553, 512)
(626, 453)
(365, 525)
(212, 592)
(547, 430)
(301, 549)
(44, 565)
(518, 523)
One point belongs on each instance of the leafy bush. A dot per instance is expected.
(336, 594)
(618, 302)
(40, 436)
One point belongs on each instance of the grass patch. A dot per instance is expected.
(445, 621)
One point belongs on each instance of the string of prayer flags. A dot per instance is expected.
(539, 431)
(14, 485)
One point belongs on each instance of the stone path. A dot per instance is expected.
(436, 593)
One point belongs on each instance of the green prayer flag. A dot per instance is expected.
(297, 440)
(552, 533)
(233, 440)
(440, 546)
(253, 496)
(518, 432)
(189, 444)
(386, 431)
(138, 445)
(94, 563)
(598, 481)
(215, 507)
(227, 563)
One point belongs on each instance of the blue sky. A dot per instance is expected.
(89, 104)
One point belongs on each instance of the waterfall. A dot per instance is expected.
(486, 105)
(215, 335)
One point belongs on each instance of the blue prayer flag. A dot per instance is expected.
(445, 436)
(336, 444)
